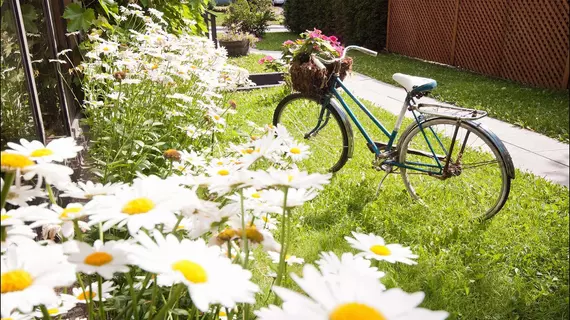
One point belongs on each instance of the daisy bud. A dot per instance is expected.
(233, 104)
(172, 154)
(120, 75)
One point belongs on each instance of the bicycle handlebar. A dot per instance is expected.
(361, 49)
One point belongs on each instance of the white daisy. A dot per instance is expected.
(20, 195)
(17, 236)
(374, 247)
(295, 197)
(297, 151)
(346, 296)
(104, 259)
(56, 150)
(88, 189)
(17, 316)
(150, 201)
(209, 277)
(65, 303)
(30, 274)
(20, 215)
(21, 164)
(330, 263)
(291, 260)
(88, 295)
(265, 221)
(293, 178)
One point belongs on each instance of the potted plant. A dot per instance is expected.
(237, 43)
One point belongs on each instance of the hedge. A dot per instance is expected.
(358, 22)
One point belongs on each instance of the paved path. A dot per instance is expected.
(531, 151)
(270, 29)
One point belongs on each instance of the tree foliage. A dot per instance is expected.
(353, 21)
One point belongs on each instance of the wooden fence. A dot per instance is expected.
(522, 40)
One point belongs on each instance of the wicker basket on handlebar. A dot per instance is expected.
(307, 78)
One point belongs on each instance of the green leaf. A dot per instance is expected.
(78, 18)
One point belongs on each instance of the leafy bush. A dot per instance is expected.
(252, 16)
(353, 21)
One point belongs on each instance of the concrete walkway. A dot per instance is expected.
(531, 151)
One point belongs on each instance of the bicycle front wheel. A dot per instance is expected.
(319, 126)
(475, 182)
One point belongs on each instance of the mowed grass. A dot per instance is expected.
(512, 267)
(541, 110)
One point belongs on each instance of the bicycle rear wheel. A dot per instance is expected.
(320, 127)
(476, 183)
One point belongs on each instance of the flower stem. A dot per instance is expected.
(77, 230)
(100, 287)
(50, 193)
(161, 315)
(6, 189)
(45, 312)
(244, 230)
(283, 253)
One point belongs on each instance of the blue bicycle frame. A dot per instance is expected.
(418, 166)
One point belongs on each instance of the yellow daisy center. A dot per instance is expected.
(192, 271)
(355, 311)
(106, 49)
(290, 178)
(16, 280)
(98, 259)
(65, 213)
(83, 296)
(223, 172)
(264, 218)
(5, 216)
(180, 227)
(380, 250)
(295, 150)
(53, 311)
(41, 152)
(256, 195)
(15, 161)
(217, 117)
(138, 206)
(222, 314)
(253, 234)
(154, 66)
(6, 318)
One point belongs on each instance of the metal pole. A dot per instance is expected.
(28, 71)
(214, 31)
(52, 41)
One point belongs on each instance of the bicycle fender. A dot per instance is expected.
(346, 124)
(505, 155)
(500, 146)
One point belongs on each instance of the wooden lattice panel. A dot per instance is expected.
(521, 40)
(536, 42)
(421, 28)
(479, 41)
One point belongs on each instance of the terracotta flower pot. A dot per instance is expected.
(236, 48)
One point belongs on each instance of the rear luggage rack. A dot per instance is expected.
(449, 111)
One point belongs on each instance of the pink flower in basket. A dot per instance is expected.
(316, 33)
(288, 43)
(265, 59)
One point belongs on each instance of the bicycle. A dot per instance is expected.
(443, 145)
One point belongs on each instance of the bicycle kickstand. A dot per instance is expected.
(381, 181)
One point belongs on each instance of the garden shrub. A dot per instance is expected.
(353, 21)
(252, 16)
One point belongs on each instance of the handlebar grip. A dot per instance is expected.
(367, 51)
(318, 63)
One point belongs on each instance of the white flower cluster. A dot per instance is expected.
(182, 75)
(194, 229)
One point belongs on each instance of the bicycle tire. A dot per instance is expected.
(308, 107)
(467, 191)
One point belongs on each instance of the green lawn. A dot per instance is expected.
(512, 267)
(250, 62)
(540, 110)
